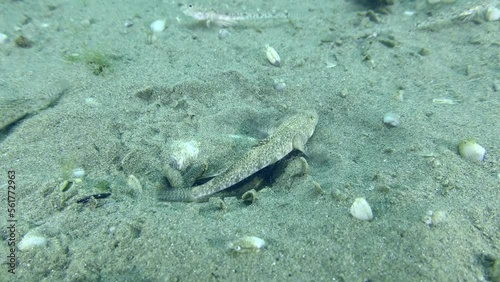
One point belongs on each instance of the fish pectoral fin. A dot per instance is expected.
(299, 141)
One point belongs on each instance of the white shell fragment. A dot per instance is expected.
(31, 241)
(360, 209)
(272, 56)
(128, 23)
(134, 184)
(158, 25)
(223, 34)
(391, 119)
(444, 101)
(470, 150)
(435, 218)
(3, 38)
(492, 14)
(279, 86)
(183, 154)
(78, 172)
(247, 244)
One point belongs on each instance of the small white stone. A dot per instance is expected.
(360, 209)
(31, 241)
(391, 119)
(3, 38)
(158, 25)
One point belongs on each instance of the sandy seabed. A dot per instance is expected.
(96, 90)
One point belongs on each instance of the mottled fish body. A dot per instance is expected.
(292, 134)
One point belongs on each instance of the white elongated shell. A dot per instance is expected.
(360, 209)
(272, 56)
(247, 244)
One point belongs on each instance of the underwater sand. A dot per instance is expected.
(61, 111)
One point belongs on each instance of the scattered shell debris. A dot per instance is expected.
(476, 14)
